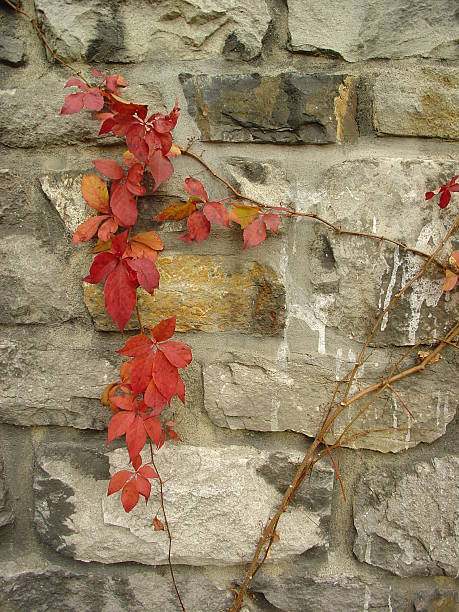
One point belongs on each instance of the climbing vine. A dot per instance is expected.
(150, 376)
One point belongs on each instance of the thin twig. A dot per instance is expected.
(169, 562)
(293, 213)
(45, 41)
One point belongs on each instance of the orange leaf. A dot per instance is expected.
(95, 192)
(176, 212)
(149, 239)
(139, 251)
(244, 215)
(157, 524)
(450, 281)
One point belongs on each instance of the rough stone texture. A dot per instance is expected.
(252, 393)
(349, 280)
(288, 108)
(371, 29)
(406, 519)
(418, 103)
(54, 377)
(302, 586)
(63, 189)
(6, 514)
(216, 496)
(38, 123)
(206, 293)
(13, 201)
(35, 278)
(141, 30)
(11, 50)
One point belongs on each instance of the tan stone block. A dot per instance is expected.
(206, 293)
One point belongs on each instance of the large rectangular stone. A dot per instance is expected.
(287, 108)
(418, 103)
(358, 30)
(206, 293)
(215, 500)
(137, 30)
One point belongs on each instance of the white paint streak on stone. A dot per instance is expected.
(283, 351)
(7, 92)
(438, 409)
(389, 600)
(390, 286)
(394, 414)
(275, 415)
(366, 603)
(314, 317)
(374, 224)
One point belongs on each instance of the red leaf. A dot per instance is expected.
(254, 233)
(177, 353)
(429, 195)
(157, 524)
(118, 245)
(165, 376)
(125, 402)
(195, 188)
(120, 295)
(109, 168)
(143, 487)
(123, 204)
(164, 330)
(272, 221)
(153, 398)
(119, 424)
(149, 239)
(198, 227)
(216, 213)
(444, 199)
(141, 372)
(134, 176)
(129, 496)
(137, 462)
(136, 436)
(86, 230)
(135, 140)
(136, 346)
(180, 390)
(102, 265)
(107, 229)
(118, 480)
(148, 472)
(160, 167)
(153, 427)
(73, 104)
(93, 99)
(147, 273)
(74, 82)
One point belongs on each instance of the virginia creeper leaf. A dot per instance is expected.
(118, 480)
(120, 295)
(164, 330)
(102, 265)
(216, 213)
(143, 487)
(150, 239)
(129, 496)
(195, 188)
(272, 221)
(147, 273)
(136, 436)
(95, 192)
(136, 346)
(165, 376)
(198, 227)
(254, 233)
(73, 103)
(86, 230)
(160, 167)
(243, 215)
(153, 427)
(119, 424)
(148, 472)
(176, 212)
(109, 168)
(123, 204)
(157, 524)
(177, 353)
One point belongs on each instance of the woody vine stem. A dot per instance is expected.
(149, 379)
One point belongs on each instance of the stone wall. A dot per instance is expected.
(348, 109)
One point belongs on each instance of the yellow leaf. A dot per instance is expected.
(101, 246)
(244, 215)
(95, 192)
(176, 212)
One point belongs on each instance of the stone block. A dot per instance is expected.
(206, 293)
(140, 30)
(12, 50)
(215, 500)
(53, 376)
(255, 394)
(406, 518)
(372, 29)
(6, 514)
(287, 108)
(418, 103)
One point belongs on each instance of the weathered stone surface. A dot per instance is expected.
(252, 393)
(13, 200)
(44, 587)
(63, 189)
(206, 293)
(6, 514)
(55, 377)
(11, 50)
(38, 123)
(214, 496)
(299, 586)
(34, 281)
(288, 108)
(406, 518)
(372, 29)
(141, 30)
(349, 280)
(418, 103)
